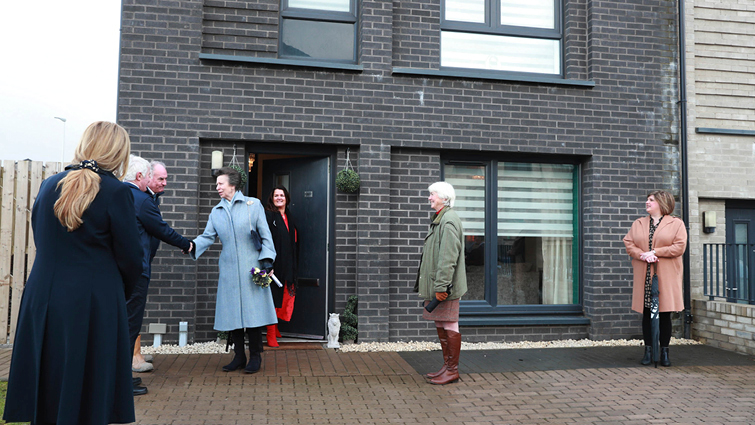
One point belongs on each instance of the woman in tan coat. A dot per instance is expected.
(657, 242)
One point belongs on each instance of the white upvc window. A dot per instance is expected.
(513, 36)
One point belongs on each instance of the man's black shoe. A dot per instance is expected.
(140, 390)
(136, 381)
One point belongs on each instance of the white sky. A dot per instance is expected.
(58, 59)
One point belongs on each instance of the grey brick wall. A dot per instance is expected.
(412, 171)
(373, 241)
(240, 28)
(623, 131)
(416, 30)
(346, 236)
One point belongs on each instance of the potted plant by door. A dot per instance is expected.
(349, 321)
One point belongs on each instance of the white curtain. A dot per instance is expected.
(557, 273)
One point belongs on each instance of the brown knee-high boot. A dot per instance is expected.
(452, 367)
(444, 348)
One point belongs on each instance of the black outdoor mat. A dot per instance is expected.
(541, 359)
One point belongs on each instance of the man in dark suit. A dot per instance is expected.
(150, 225)
(155, 188)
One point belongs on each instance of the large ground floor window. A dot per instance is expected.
(521, 232)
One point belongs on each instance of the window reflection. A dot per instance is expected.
(499, 53)
(469, 183)
(331, 5)
(535, 232)
(320, 40)
(465, 10)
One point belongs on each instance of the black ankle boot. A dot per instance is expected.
(239, 358)
(664, 357)
(255, 363)
(648, 357)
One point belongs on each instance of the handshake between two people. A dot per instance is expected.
(265, 263)
(192, 247)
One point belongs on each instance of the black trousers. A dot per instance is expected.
(665, 327)
(255, 339)
(135, 309)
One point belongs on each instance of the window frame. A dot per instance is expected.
(493, 26)
(316, 15)
(478, 312)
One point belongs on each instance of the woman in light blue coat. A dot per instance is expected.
(240, 304)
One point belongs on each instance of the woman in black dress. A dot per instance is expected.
(283, 228)
(71, 361)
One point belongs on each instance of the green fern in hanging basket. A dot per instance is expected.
(347, 180)
(243, 175)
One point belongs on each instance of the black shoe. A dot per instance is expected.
(255, 363)
(239, 358)
(136, 381)
(235, 364)
(140, 390)
(664, 357)
(648, 357)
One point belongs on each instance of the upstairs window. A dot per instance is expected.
(512, 36)
(321, 30)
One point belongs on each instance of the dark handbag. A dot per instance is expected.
(256, 239)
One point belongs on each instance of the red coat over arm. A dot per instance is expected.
(669, 242)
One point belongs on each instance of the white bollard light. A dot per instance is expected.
(183, 333)
(157, 330)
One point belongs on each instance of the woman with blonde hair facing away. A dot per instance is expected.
(71, 361)
(442, 277)
(656, 243)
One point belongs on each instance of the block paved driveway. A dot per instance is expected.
(548, 386)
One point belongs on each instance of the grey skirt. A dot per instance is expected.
(447, 311)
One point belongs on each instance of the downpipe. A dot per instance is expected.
(686, 282)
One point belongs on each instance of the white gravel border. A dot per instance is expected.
(214, 347)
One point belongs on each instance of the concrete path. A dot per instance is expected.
(549, 386)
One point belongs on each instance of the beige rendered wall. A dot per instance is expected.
(720, 55)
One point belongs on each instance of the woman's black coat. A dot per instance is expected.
(71, 361)
(286, 247)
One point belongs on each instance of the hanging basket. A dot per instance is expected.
(236, 166)
(243, 175)
(347, 180)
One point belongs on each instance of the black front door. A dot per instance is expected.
(306, 179)
(740, 243)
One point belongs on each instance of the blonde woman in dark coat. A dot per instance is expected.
(71, 360)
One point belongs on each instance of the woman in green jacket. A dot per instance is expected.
(442, 276)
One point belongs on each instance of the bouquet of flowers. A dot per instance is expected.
(261, 277)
